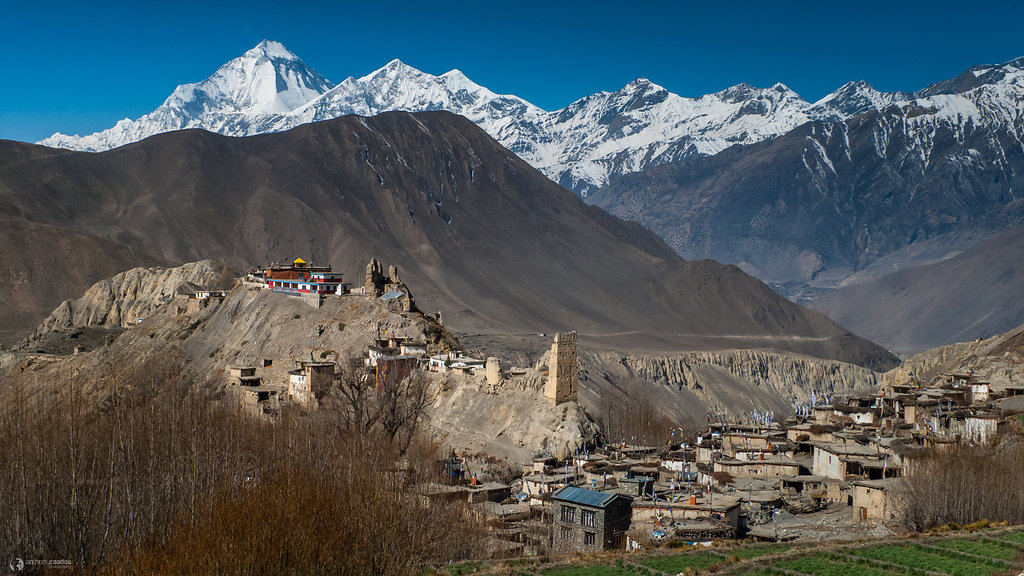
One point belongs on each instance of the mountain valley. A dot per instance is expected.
(405, 325)
(805, 196)
(492, 242)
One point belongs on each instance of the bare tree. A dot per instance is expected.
(636, 418)
(148, 472)
(964, 484)
(388, 404)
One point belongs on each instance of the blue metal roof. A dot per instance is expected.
(585, 497)
(392, 295)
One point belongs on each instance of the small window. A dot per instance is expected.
(566, 534)
(589, 539)
(587, 518)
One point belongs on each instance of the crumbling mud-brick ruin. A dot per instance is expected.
(563, 379)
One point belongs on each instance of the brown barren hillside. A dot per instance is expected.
(488, 239)
(976, 294)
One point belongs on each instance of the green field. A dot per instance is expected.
(1017, 537)
(981, 553)
(980, 547)
(832, 565)
(677, 563)
(594, 570)
(757, 550)
(759, 572)
(925, 559)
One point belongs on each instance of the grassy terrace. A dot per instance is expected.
(988, 552)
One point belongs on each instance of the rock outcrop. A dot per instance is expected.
(998, 360)
(376, 284)
(687, 385)
(122, 300)
(255, 327)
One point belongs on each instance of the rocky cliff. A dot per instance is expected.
(779, 375)
(124, 299)
(250, 326)
(998, 360)
(739, 381)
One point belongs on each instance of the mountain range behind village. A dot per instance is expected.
(494, 244)
(808, 197)
(581, 146)
(400, 323)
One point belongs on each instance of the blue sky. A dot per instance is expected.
(78, 67)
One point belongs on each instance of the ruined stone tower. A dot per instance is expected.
(373, 282)
(562, 375)
(493, 372)
(376, 284)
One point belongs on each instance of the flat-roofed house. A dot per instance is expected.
(831, 459)
(767, 466)
(587, 520)
(871, 499)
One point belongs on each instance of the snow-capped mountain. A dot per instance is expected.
(581, 146)
(643, 124)
(269, 89)
(244, 96)
(903, 180)
(853, 98)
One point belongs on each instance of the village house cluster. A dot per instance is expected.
(393, 354)
(842, 455)
(262, 391)
(734, 479)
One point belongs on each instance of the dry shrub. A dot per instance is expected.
(357, 520)
(961, 486)
(162, 477)
(637, 419)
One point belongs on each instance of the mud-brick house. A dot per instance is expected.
(770, 466)
(980, 427)
(980, 392)
(832, 459)
(733, 442)
(310, 381)
(536, 485)
(871, 499)
(803, 433)
(586, 520)
(817, 487)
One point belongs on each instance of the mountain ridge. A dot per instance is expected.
(580, 146)
(863, 188)
(974, 294)
(493, 242)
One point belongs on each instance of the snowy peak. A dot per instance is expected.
(272, 50)
(641, 85)
(639, 94)
(1008, 74)
(745, 99)
(851, 99)
(398, 86)
(394, 69)
(267, 79)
